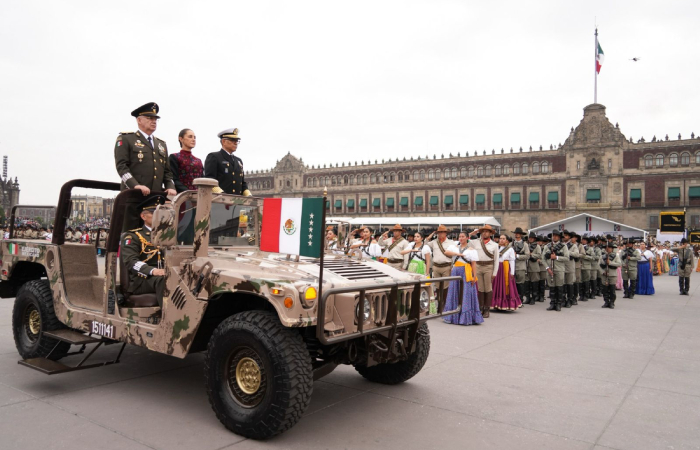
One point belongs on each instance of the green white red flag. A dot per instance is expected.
(293, 226)
(599, 57)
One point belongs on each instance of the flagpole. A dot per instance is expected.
(323, 251)
(595, 68)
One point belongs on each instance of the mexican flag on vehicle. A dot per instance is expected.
(293, 226)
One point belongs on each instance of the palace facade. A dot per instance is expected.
(597, 171)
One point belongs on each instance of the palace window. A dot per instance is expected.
(498, 170)
(487, 171)
(373, 179)
(454, 172)
(400, 176)
(516, 169)
(471, 169)
(333, 182)
(697, 158)
(659, 160)
(463, 172)
(525, 169)
(422, 175)
(351, 178)
(545, 167)
(415, 176)
(506, 169)
(648, 161)
(480, 171)
(392, 177)
(364, 179)
(437, 174)
(345, 179)
(685, 159)
(673, 159)
(535, 168)
(431, 174)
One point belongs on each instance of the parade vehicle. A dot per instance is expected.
(269, 325)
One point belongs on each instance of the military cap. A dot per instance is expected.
(519, 230)
(684, 241)
(585, 236)
(566, 232)
(230, 133)
(151, 203)
(611, 244)
(556, 232)
(532, 235)
(149, 109)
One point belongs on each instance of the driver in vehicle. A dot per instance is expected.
(142, 259)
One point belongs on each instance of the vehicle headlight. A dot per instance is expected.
(309, 296)
(424, 300)
(366, 312)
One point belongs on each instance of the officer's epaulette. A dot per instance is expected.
(126, 132)
(160, 139)
(135, 230)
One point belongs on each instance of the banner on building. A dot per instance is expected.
(672, 222)
(695, 237)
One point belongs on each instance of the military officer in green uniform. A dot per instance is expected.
(609, 262)
(557, 255)
(141, 258)
(141, 158)
(225, 167)
(629, 257)
(685, 265)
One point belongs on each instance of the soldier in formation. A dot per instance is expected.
(629, 256)
(441, 263)
(608, 263)
(589, 269)
(556, 253)
(685, 265)
(522, 255)
(532, 283)
(570, 270)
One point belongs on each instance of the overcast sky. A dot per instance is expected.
(331, 81)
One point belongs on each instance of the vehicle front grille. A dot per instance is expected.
(353, 270)
(379, 302)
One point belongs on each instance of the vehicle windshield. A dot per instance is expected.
(231, 225)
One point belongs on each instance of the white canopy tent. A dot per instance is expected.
(462, 222)
(589, 224)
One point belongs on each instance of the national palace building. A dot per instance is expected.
(597, 171)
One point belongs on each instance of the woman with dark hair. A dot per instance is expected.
(419, 255)
(505, 294)
(184, 165)
(463, 265)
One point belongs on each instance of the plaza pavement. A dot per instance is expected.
(584, 378)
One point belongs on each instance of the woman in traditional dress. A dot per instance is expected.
(673, 265)
(667, 259)
(505, 294)
(645, 284)
(419, 255)
(365, 247)
(463, 265)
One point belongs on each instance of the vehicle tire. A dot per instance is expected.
(32, 315)
(258, 374)
(398, 372)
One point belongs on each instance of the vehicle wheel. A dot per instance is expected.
(395, 373)
(33, 314)
(258, 375)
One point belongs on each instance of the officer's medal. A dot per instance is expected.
(161, 149)
(140, 156)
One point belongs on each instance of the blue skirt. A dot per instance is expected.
(470, 313)
(645, 280)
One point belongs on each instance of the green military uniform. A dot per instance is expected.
(570, 272)
(578, 287)
(541, 242)
(609, 262)
(522, 255)
(141, 257)
(140, 160)
(597, 253)
(685, 265)
(533, 269)
(629, 257)
(589, 270)
(558, 268)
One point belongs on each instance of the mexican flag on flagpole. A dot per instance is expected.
(293, 226)
(599, 57)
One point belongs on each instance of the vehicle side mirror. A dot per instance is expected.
(164, 233)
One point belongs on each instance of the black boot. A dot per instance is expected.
(633, 289)
(559, 297)
(534, 292)
(552, 299)
(606, 298)
(541, 286)
(687, 285)
(590, 290)
(521, 292)
(681, 285)
(600, 287)
(573, 293)
(625, 288)
(576, 292)
(566, 296)
(612, 296)
(582, 297)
